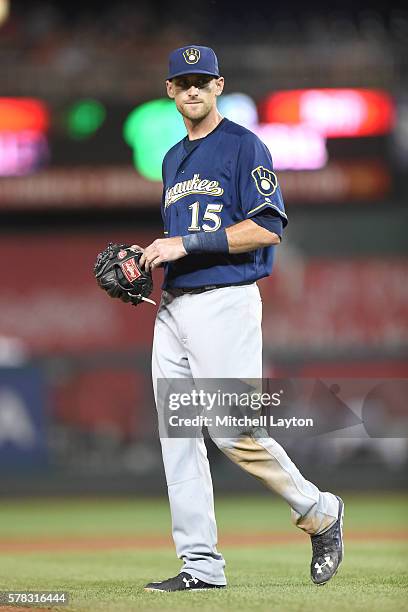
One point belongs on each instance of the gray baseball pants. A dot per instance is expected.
(217, 334)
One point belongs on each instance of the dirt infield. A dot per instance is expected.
(236, 540)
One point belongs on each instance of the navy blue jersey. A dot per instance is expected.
(227, 178)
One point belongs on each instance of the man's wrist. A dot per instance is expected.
(206, 242)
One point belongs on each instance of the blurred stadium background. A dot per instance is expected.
(84, 125)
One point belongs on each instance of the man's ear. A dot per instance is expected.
(170, 89)
(219, 85)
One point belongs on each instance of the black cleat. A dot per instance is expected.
(182, 582)
(328, 550)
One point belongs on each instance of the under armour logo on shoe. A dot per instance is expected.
(327, 561)
(188, 581)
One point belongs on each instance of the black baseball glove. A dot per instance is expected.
(118, 272)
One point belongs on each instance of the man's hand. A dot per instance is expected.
(161, 250)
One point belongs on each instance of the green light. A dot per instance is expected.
(151, 130)
(85, 118)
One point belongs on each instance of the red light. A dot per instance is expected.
(21, 114)
(333, 112)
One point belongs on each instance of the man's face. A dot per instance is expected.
(195, 94)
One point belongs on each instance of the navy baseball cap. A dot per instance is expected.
(193, 60)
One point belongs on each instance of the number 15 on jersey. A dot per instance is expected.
(211, 215)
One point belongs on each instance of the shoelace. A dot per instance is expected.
(181, 575)
(324, 543)
(319, 546)
(167, 579)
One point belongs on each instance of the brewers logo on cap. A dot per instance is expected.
(192, 59)
(265, 180)
(191, 55)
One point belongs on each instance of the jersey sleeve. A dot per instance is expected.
(258, 185)
(269, 221)
(162, 209)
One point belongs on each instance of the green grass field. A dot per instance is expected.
(262, 576)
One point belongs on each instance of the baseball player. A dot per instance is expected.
(223, 217)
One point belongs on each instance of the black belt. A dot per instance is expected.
(176, 291)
